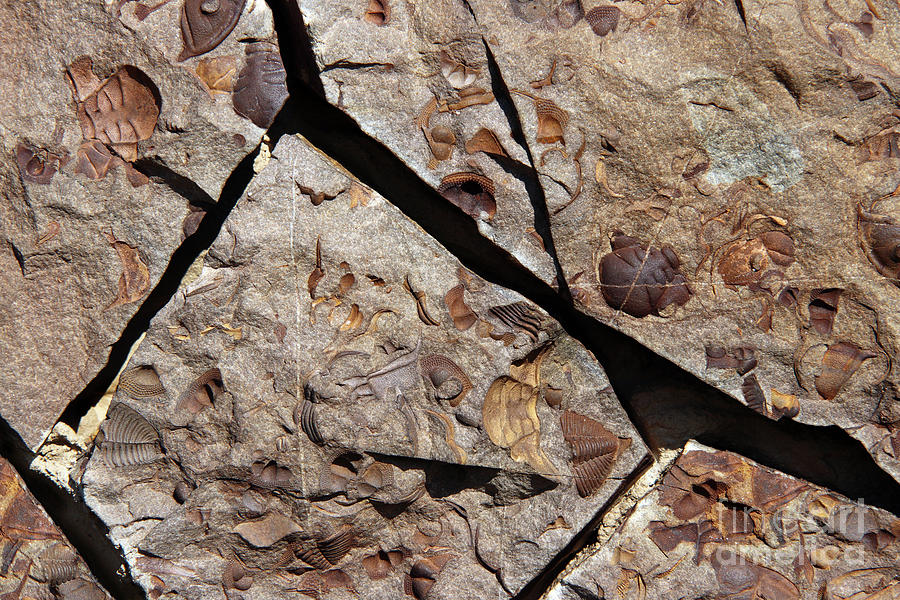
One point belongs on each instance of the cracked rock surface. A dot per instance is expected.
(294, 404)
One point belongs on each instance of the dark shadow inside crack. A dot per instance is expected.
(86, 532)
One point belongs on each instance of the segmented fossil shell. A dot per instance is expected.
(206, 23)
(135, 278)
(840, 362)
(603, 19)
(261, 86)
(141, 382)
(35, 165)
(423, 574)
(378, 12)
(471, 192)
(883, 145)
(124, 110)
(823, 307)
(128, 439)
(379, 565)
(594, 448)
(552, 121)
(742, 358)
(94, 160)
(80, 589)
(463, 316)
(237, 576)
(438, 370)
(203, 392)
(521, 316)
(753, 395)
(378, 475)
(269, 475)
(308, 422)
(880, 236)
(639, 282)
(780, 247)
(58, 563)
(336, 546)
(339, 472)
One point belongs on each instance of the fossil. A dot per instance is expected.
(594, 450)
(218, 73)
(519, 315)
(317, 273)
(456, 73)
(119, 111)
(840, 362)
(135, 278)
(423, 574)
(340, 471)
(753, 395)
(381, 564)
(205, 23)
(551, 119)
(509, 412)
(880, 239)
(237, 576)
(306, 418)
(141, 382)
(345, 283)
(739, 577)
(639, 281)
(450, 436)
(53, 229)
(269, 475)
(441, 140)
(742, 358)
(700, 533)
(37, 165)
(399, 374)
(268, 530)
(746, 262)
(485, 141)
(823, 307)
(323, 553)
(58, 564)
(439, 371)
(419, 298)
(784, 405)
(80, 589)
(603, 19)
(203, 392)
(128, 439)
(470, 192)
(881, 146)
(261, 86)
(378, 12)
(191, 223)
(353, 320)
(94, 160)
(463, 316)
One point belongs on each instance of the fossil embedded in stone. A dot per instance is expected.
(218, 73)
(378, 12)
(203, 392)
(519, 315)
(823, 307)
(36, 165)
(135, 278)
(456, 73)
(840, 362)
(603, 19)
(440, 371)
(128, 439)
(462, 315)
(594, 450)
(261, 86)
(205, 23)
(141, 382)
(471, 192)
(880, 238)
(485, 141)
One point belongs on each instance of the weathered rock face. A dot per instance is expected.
(756, 156)
(335, 392)
(719, 524)
(38, 561)
(418, 81)
(88, 105)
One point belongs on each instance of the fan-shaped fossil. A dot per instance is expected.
(823, 307)
(203, 392)
(594, 449)
(439, 371)
(141, 382)
(261, 86)
(307, 415)
(472, 193)
(128, 439)
(641, 282)
(269, 475)
(880, 239)
(205, 23)
(519, 315)
(603, 19)
(378, 12)
(423, 574)
(463, 316)
(551, 119)
(381, 564)
(323, 553)
(485, 141)
(840, 362)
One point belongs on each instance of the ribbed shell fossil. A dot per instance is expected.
(237, 576)
(203, 392)
(94, 160)
(521, 316)
(205, 23)
(128, 439)
(305, 415)
(261, 86)
(471, 192)
(423, 574)
(269, 475)
(594, 450)
(439, 371)
(641, 282)
(327, 552)
(880, 238)
(753, 395)
(463, 316)
(840, 362)
(141, 382)
(485, 141)
(58, 564)
(823, 307)
(603, 19)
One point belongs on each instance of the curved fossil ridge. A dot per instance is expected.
(521, 316)
(206, 23)
(594, 448)
(202, 392)
(324, 553)
(261, 86)
(470, 192)
(123, 110)
(463, 316)
(141, 382)
(439, 370)
(128, 439)
(510, 416)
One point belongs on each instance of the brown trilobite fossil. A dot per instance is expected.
(880, 238)
(840, 362)
(823, 307)
(205, 23)
(603, 19)
(463, 316)
(746, 262)
(519, 315)
(449, 380)
(202, 392)
(594, 450)
(36, 165)
(141, 382)
(128, 439)
(639, 281)
(471, 192)
(269, 475)
(261, 86)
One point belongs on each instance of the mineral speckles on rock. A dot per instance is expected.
(387, 436)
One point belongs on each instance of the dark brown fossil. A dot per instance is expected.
(128, 439)
(739, 577)
(378, 12)
(305, 415)
(269, 475)
(519, 315)
(880, 238)
(237, 576)
(823, 307)
(594, 450)
(324, 553)
(603, 19)
(462, 315)
(742, 358)
(203, 392)
(381, 564)
(753, 395)
(419, 297)
(141, 382)
(37, 165)
(840, 362)
(261, 87)
(58, 564)
(94, 160)
(440, 371)
(206, 23)
(699, 534)
(423, 574)
(641, 282)
(471, 192)
(191, 222)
